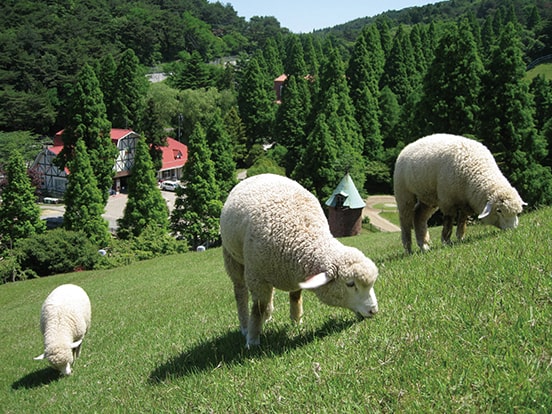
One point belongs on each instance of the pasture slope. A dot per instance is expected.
(463, 328)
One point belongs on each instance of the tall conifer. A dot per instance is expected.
(145, 205)
(196, 213)
(507, 123)
(87, 120)
(83, 200)
(19, 212)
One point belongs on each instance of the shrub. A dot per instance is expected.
(56, 251)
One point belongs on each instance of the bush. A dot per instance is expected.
(56, 251)
(152, 242)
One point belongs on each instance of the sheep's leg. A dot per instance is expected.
(422, 213)
(261, 300)
(447, 229)
(270, 307)
(236, 271)
(461, 226)
(295, 306)
(406, 204)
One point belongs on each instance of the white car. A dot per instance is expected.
(170, 185)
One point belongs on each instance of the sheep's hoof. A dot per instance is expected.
(253, 342)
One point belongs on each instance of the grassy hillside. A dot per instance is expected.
(464, 328)
(544, 69)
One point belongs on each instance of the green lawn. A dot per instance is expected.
(544, 69)
(466, 328)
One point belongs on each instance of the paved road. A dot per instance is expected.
(113, 210)
(116, 205)
(373, 213)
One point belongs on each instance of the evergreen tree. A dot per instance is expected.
(272, 58)
(87, 120)
(145, 205)
(334, 101)
(238, 137)
(84, 205)
(220, 143)
(197, 208)
(154, 131)
(130, 90)
(363, 75)
(542, 92)
(400, 67)
(316, 170)
(106, 73)
(450, 99)
(294, 63)
(290, 125)
(507, 123)
(19, 212)
(256, 101)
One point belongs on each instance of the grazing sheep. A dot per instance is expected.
(275, 235)
(457, 175)
(64, 320)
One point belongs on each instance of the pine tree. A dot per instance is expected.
(196, 213)
(316, 170)
(400, 67)
(363, 75)
(154, 131)
(238, 137)
(87, 120)
(106, 73)
(256, 101)
(272, 58)
(290, 124)
(294, 63)
(19, 212)
(507, 123)
(130, 90)
(145, 205)
(542, 92)
(335, 103)
(220, 143)
(452, 86)
(83, 200)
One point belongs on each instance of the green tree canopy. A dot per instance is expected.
(197, 208)
(19, 212)
(87, 120)
(84, 205)
(145, 204)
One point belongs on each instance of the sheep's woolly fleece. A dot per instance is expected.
(64, 320)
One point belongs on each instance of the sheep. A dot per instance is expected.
(64, 320)
(457, 175)
(275, 236)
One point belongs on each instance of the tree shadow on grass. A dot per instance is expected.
(37, 379)
(230, 349)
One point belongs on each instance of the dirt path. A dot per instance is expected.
(373, 213)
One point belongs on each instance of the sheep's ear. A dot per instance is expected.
(76, 344)
(315, 281)
(39, 357)
(486, 211)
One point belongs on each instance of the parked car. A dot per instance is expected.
(170, 185)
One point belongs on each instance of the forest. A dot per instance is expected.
(351, 97)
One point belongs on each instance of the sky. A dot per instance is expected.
(304, 16)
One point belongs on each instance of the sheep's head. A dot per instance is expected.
(350, 284)
(62, 357)
(503, 213)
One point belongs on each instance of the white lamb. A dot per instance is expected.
(457, 175)
(275, 235)
(64, 320)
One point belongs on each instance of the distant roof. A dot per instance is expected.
(346, 189)
(175, 154)
(115, 133)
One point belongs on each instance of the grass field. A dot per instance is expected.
(544, 69)
(466, 328)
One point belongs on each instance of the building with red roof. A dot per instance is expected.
(54, 180)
